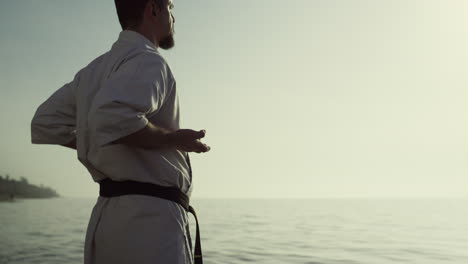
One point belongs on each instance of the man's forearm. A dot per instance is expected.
(150, 137)
(154, 137)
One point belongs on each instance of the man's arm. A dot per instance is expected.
(154, 137)
(118, 114)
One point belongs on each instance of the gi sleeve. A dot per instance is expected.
(55, 119)
(135, 90)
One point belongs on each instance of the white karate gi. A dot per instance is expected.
(114, 96)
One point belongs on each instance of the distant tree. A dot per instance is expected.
(22, 188)
(24, 180)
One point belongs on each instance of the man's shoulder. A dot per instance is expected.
(142, 58)
(153, 58)
(134, 61)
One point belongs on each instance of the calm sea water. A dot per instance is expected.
(312, 231)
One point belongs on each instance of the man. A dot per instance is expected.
(121, 114)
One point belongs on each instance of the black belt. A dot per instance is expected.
(110, 188)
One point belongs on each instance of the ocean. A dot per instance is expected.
(286, 231)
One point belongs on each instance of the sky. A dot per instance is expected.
(299, 98)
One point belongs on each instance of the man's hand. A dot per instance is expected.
(188, 140)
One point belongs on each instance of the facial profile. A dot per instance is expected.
(168, 20)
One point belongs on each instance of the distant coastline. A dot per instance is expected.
(11, 189)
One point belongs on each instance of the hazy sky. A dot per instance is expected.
(300, 98)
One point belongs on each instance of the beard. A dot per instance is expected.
(167, 42)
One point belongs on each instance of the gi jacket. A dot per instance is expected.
(114, 96)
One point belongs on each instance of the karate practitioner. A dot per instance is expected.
(121, 114)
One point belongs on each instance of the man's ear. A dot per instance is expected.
(155, 8)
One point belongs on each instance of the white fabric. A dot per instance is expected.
(139, 229)
(114, 96)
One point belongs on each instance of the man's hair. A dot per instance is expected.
(130, 12)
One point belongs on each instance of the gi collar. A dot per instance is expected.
(135, 38)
